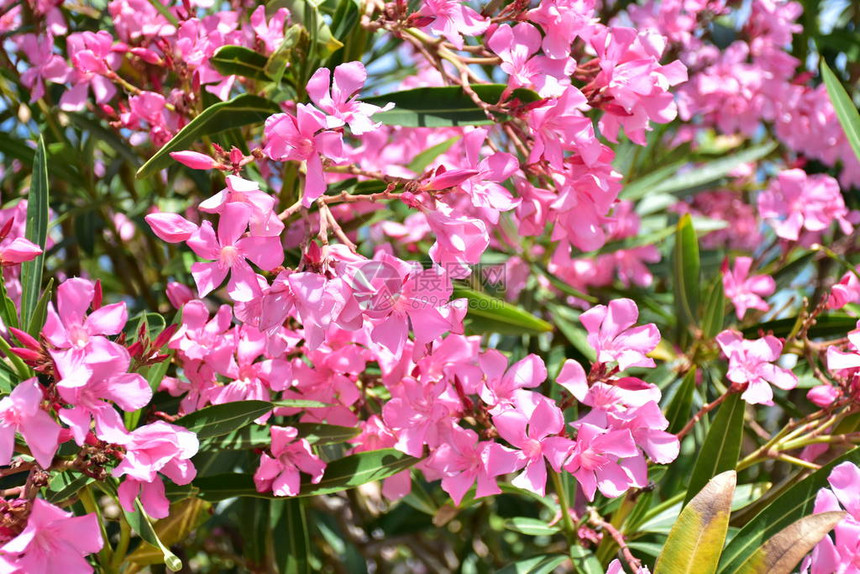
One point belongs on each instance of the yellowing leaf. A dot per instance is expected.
(696, 540)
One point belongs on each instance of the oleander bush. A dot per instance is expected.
(430, 286)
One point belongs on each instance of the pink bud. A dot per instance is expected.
(26, 339)
(170, 227)
(146, 55)
(19, 251)
(442, 179)
(194, 160)
(823, 395)
(179, 294)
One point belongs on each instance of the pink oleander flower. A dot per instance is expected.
(596, 461)
(839, 360)
(231, 253)
(44, 64)
(558, 124)
(79, 340)
(304, 137)
(53, 541)
(503, 384)
(795, 201)
(109, 381)
(517, 47)
(452, 19)
(158, 447)
(22, 412)
(418, 414)
(840, 553)
(263, 221)
(744, 291)
(337, 99)
(396, 295)
(612, 334)
(460, 241)
(537, 438)
(279, 473)
(270, 33)
(845, 292)
(463, 461)
(93, 57)
(751, 363)
(564, 21)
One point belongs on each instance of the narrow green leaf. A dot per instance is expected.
(689, 178)
(37, 232)
(300, 404)
(185, 516)
(142, 524)
(442, 106)
(66, 485)
(686, 272)
(696, 540)
(240, 61)
(531, 526)
(715, 310)
(488, 314)
(317, 433)
(295, 39)
(678, 411)
(722, 445)
(537, 565)
(848, 116)
(218, 420)
(291, 537)
(40, 313)
(420, 162)
(584, 561)
(342, 474)
(825, 326)
(794, 503)
(242, 110)
(783, 552)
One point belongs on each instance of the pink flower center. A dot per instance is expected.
(229, 255)
(78, 336)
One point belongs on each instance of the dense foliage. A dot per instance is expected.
(430, 286)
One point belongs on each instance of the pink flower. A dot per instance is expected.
(537, 439)
(230, 252)
(750, 362)
(462, 460)
(304, 137)
(501, 387)
(53, 541)
(841, 553)
(280, 472)
(745, 291)
(795, 201)
(839, 360)
(460, 241)
(517, 47)
(170, 227)
(271, 33)
(194, 160)
(337, 99)
(18, 251)
(155, 448)
(452, 19)
(92, 57)
(22, 412)
(612, 335)
(44, 64)
(595, 461)
(844, 292)
(263, 220)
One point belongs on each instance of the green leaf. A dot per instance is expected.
(442, 106)
(342, 474)
(240, 61)
(65, 485)
(783, 552)
(531, 526)
(40, 313)
(291, 537)
(242, 110)
(488, 314)
(420, 162)
(300, 404)
(715, 310)
(700, 176)
(794, 503)
(218, 420)
(678, 411)
(537, 565)
(848, 116)
(584, 561)
(321, 434)
(825, 326)
(185, 516)
(37, 232)
(696, 540)
(142, 524)
(296, 38)
(686, 272)
(722, 445)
